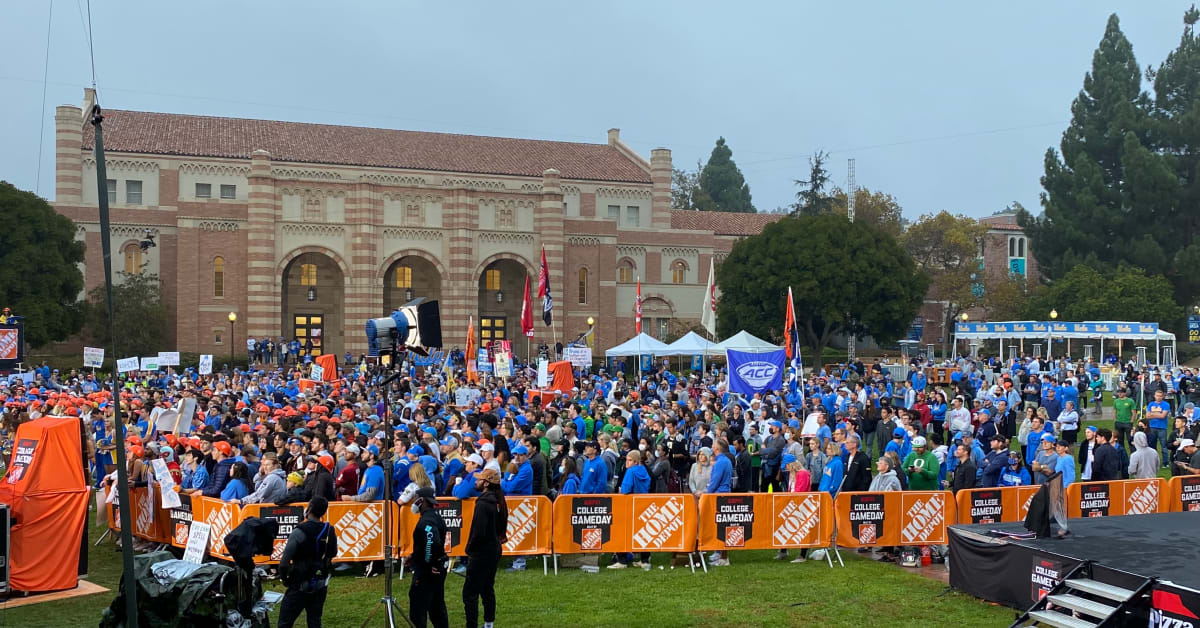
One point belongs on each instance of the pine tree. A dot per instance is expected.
(812, 200)
(722, 186)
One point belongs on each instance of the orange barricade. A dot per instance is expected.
(181, 521)
(1117, 497)
(994, 505)
(591, 523)
(222, 518)
(150, 521)
(359, 527)
(1185, 493)
(530, 528)
(455, 513)
(894, 518)
(288, 518)
(765, 520)
(662, 523)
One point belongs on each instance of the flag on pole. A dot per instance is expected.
(527, 312)
(708, 309)
(472, 374)
(791, 334)
(544, 290)
(637, 309)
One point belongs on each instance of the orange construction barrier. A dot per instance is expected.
(994, 505)
(1117, 497)
(530, 528)
(662, 523)
(222, 518)
(288, 517)
(625, 523)
(1185, 493)
(894, 518)
(455, 513)
(765, 520)
(359, 527)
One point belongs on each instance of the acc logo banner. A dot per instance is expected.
(751, 373)
(359, 529)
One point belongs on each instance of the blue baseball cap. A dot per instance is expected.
(374, 449)
(899, 433)
(1048, 437)
(520, 450)
(416, 450)
(794, 423)
(788, 459)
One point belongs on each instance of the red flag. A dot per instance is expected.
(637, 309)
(789, 327)
(544, 290)
(472, 373)
(527, 312)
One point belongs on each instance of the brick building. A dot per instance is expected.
(309, 230)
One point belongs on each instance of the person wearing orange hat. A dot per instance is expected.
(319, 480)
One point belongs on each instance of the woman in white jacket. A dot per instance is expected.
(1143, 464)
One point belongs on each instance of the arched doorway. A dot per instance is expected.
(501, 288)
(410, 277)
(314, 302)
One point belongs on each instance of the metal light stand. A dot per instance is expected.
(833, 546)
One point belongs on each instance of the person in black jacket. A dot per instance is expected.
(1106, 461)
(858, 467)
(489, 527)
(319, 481)
(427, 591)
(964, 473)
(305, 566)
(741, 466)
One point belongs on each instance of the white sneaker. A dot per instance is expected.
(799, 559)
(720, 562)
(817, 555)
(637, 563)
(781, 555)
(617, 566)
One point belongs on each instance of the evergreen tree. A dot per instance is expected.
(722, 187)
(812, 200)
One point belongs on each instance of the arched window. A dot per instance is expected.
(1020, 247)
(404, 276)
(1012, 247)
(582, 286)
(625, 272)
(678, 272)
(133, 259)
(492, 279)
(219, 277)
(308, 274)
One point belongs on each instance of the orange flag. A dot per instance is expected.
(472, 374)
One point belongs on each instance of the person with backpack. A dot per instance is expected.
(306, 565)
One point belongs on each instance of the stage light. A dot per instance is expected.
(416, 326)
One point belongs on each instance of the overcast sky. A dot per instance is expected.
(946, 105)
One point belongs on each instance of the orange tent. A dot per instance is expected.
(46, 489)
(328, 362)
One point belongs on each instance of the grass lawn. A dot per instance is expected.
(755, 590)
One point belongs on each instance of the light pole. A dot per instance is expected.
(232, 320)
(1050, 340)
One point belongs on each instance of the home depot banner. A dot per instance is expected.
(893, 518)
(994, 505)
(662, 523)
(624, 523)
(765, 521)
(359, 527)
(288, 517)
(1118, 497)
(455, 513)
(181, 521)
(1185, 493)
(222, 518)
(530, 527)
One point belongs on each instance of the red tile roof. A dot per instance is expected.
(236, 138)
(722, 223)
(1005, 222)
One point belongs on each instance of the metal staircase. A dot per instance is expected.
(1079, 601)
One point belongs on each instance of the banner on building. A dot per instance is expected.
(751, 373)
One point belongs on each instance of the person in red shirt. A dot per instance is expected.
(347, 480)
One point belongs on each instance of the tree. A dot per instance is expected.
(1126, 294)
(141, 318)
(1004, 296)
(39, 273)
(722, 186)
(811, 200)
(947, 247)
(1107, 197)
(685, 189)
(845, 280)
(876, 208)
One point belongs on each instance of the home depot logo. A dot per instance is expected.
(358, 529)
(925, 519)
(522, 525)
(220, 520)
(1142, 499)
(8, 344)
(145, 517)
(658, 526)
(797, 521)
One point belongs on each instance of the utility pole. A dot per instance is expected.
(850, 213)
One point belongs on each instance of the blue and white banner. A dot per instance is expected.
(751, 373)
(1042, 328)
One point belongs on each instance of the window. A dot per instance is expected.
(308, 274)
(614, 212)
(217, 336)
(404, 277)
(678, 272)
(492, 328)
(111, 184)
(133, 192)
(219, 277)
(1021, 247)
(582, 286)
(1016, 255)
(133, 259)
(625, 273)
(228, 191)
(633, 215)
(662, 327)
(203, 190)
(505, 218)
(492, 279)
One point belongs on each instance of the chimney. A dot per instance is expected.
(614, 136)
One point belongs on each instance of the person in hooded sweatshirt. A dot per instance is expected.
(270, 485)
(885, 480)
(1143, 464)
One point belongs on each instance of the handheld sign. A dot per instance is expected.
(93, 357)
(126, 365)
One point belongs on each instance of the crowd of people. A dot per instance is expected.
(257, 437)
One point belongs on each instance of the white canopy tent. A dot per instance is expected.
(694, 344)
(640, 344)
(745, 341)
(1047, 331)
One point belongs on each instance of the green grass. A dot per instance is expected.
(755, 590)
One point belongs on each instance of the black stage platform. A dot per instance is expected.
(1124, 549)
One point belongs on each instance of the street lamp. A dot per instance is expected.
(232, 320)
(591, 322)
(408, 294)
(964, 317)
(312, 293)
(1053, 314)
(499, 296)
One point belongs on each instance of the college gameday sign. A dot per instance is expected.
(1002, 504)
(624, 523)
(1118, 497)
(894, 518)
(765, 520)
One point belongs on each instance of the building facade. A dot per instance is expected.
(307, 230)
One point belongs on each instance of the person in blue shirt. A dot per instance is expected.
(635, 481)
(519, 483)
(899, 443)
(1051, 402)
(1033, 442)
(831, 477)
(239, 484)
(568, 477)
(1158, 412)
(464, 487)
(1015, 474)
(1066, 462)
(594, 480)
(370, 485)
(721, 481)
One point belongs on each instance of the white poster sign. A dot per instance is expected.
(206, 365)
(197, 542)
(503, 364)
(93, 357)
(126, 365)
(168, 358)
(543, 373)
(150, 364)
(318, 372)
(579, 356)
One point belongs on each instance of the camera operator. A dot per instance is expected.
(305, 567)
(427, 593)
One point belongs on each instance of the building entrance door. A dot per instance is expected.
(310, 331)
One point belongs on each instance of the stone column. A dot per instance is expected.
(68, 162)
(261, 310)
(362, 285)
(548, 223)
(460, 215)
(660, 175)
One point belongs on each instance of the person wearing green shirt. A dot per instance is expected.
(590, 423)
(754, 446)
(922, 467)
(1124, 424)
